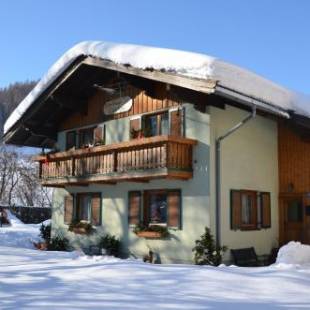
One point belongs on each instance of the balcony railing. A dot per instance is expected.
(136, 160)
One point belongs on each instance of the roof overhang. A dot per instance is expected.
(37, 127)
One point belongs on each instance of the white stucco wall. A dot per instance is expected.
(195, 197)
(249, 159)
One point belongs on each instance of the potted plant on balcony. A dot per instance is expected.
(151, 231)
(136, 133)
(81, 227)
(99, 142)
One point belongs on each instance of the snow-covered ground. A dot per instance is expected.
(31, 279)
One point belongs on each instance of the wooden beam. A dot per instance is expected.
(162, 173)
(141, 180)
(206, 86)
(105, 183)
(42, 98)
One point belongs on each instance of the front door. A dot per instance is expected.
(295, 219)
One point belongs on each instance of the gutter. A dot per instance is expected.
(218, 172)
(250, 101)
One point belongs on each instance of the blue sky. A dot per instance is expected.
(271, 38)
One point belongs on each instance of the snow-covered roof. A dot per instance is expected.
(183, 63)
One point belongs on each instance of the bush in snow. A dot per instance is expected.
(58, 243)
(45, 232)
(111, 244)
(206, 252)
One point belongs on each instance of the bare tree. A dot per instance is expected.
(19, 183)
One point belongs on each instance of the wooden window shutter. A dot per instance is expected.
(134, 206)
(96, 209)
(68, 209)
(99, 135)
(174, 209)
(70, 140)
(134, 127)
(265, 210)
(235, 209)
(176, 122)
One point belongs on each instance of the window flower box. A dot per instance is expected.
(81, 228)
(149, 234)
(151, 231)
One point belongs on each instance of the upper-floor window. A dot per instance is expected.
(85, 137)
(70, 139)
(155, 124)
(169, 122)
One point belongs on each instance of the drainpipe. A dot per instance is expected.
(218, 172)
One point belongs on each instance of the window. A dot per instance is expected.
(93, 136)
(70, 140)
(169, 122)
(86, 137)
(250, 210)
(88, 208)
(156, 124)
(157, 204)
(155, 207)
(83, 207)
(294, 211)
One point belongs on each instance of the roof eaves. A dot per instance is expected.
(250, 101)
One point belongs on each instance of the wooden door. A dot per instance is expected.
(306, 219)
(291, 219)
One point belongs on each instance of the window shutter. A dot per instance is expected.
(174, 209)
(134, 207)
(68, 209)
(265, 210)
(96, 210)
(99, 135)
(176, 122)
(135, 125)
(235, 209)
(70, 140)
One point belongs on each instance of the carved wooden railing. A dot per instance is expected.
(133, 159)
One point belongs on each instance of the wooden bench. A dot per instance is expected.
(246, 257)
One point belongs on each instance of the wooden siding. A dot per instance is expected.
(142, 103)
(294, 161)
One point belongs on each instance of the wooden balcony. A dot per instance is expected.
(138, 160)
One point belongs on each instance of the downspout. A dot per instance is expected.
(218, 172)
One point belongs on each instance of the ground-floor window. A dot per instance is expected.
(250, 210)
(155, 207)
(83, 207)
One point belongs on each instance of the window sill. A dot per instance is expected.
(246, 228)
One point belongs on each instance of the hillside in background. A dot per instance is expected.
(11, 96)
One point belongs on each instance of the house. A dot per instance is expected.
(172, 140)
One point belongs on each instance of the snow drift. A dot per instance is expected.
(294, 253)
